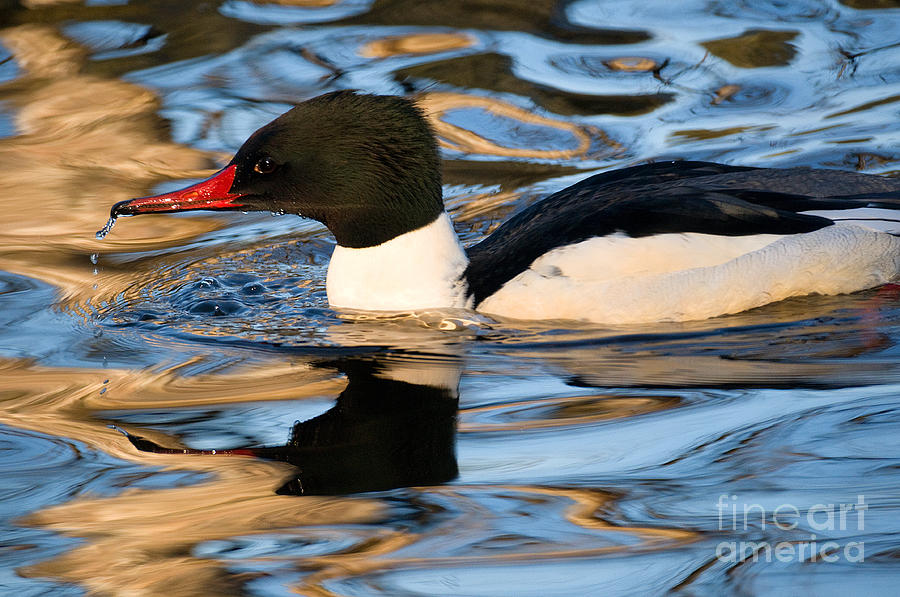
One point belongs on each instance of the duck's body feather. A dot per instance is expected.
(832, 260)
(626, 228)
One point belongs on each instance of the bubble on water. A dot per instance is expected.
(253, 288)
(95, 258)
(101, 234)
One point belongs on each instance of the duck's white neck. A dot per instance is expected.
(417, 270)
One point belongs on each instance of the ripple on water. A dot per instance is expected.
(9, 68)
(116, 39)
(316, 11)
(507, 132)
(28, 461)
(563, 411)
(776, 10)
(253, 284)
(51, 469)
(300, 543)
(646, 575)
(754, 94)
(590, 458)
(621, 67)
(447, 530)
(38, 471)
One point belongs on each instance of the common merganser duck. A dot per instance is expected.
(663, 241)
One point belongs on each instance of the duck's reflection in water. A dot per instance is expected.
(393, 426)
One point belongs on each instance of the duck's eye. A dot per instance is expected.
(265, 166)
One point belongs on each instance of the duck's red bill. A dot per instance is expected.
(212, 193)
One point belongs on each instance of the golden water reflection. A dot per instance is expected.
(460, 139)
(83, 141)
(417, 43)
(141, 539)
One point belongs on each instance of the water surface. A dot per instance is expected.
(184, 415)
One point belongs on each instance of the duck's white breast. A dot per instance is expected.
(684, 277)
(417, 270)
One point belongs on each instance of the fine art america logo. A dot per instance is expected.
(820, 518)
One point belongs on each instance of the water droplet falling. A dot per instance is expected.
(101, 234)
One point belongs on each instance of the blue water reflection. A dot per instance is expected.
(271, 445)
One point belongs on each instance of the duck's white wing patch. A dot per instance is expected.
(833, 260)
(885, 220)
(620, 256)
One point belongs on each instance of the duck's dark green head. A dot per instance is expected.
(366, 166)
